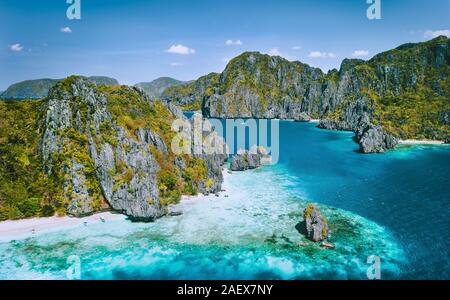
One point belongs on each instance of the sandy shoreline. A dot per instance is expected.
(293, 120)
(19, 229)
(421, 142)
(16, 229)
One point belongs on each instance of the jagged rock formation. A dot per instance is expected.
(37, 89)
(404, 90)
(315, 225)
(156, 88)
(248, 160)
(245, 161)
(101, 147)
(373, 139)
(357, 117)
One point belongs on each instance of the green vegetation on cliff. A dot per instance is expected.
(131, 112)
(407, 90)
(25, 191)
(50, 149)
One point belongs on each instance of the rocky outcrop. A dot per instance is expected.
(315, 225)
(356, 116)
(245, 161)
(373, 139)
(103, 156)
(124, 175)
(214, 156)
(248, 160)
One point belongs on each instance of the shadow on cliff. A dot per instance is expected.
(301, 228)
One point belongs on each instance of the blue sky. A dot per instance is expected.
(130, 40)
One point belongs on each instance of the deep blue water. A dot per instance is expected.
(406, 190)
(393, 205)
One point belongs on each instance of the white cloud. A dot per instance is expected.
(360, 53)
(226, 60)
(66, 30)
(175, 64)
(16, 47)
(318, 54)
(233, 43)
(180, 49)
(430, 34)
(296, 48)
(275, 52)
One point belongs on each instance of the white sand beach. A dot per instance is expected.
(18, 229)
(421, 142)
(27, 227)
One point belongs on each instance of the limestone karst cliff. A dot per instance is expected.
(402, 93)
(85, 148)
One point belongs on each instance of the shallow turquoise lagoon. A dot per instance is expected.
(394, 206)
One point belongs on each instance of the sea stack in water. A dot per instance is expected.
(247, 160)
(373, 139)
(316, 226)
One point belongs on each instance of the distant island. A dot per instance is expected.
(157, 87)
(39, 88)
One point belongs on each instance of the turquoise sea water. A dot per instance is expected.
(394, 206)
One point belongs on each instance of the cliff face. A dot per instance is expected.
(99, 147)
(401, 93)
(190, 96)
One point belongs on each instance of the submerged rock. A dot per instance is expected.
(315, 225)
